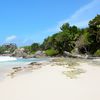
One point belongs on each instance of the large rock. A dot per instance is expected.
(20, 52)
(39, 54)
(8, 48)
(29, 56)
(68, 54)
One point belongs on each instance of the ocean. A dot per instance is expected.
(7, 63)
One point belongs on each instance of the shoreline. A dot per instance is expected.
(54, 61)
(51, 83)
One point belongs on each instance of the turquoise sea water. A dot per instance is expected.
(6, 66)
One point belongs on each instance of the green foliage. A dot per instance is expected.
(31, 49)
(87, 40)
(97, 53)
(2, 49)
(67, 39)
(82, 42)
(65, 27)
(35, 47)
(51, 52)
(27, 49)
(63, 40)
(85, 34)
(33, 52)
(94, 34)
(7, 48)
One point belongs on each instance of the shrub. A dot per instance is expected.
(51, 52)
(97, 53)
(33, 52)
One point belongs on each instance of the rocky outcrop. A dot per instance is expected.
(20, 52)
(7, 48)
(39, 54)
(75, 55)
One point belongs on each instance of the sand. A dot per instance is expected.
(48, 83)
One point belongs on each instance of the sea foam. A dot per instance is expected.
(7, 58)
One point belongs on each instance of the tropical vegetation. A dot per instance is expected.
(86, 40)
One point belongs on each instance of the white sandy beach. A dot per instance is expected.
(48, 83)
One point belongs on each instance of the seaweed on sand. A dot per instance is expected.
(73, 73)
(66, 62)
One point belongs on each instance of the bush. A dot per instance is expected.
(97, 53)
(2, 50)
(33, 52)
(51, 52)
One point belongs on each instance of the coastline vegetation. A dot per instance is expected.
(70, 38)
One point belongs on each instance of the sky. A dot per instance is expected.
(27, 21)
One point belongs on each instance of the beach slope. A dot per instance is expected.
(48, 83)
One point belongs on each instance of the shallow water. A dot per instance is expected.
(6, 66)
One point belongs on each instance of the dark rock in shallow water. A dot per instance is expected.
(32, 63)
(16, 68)
(35, 63)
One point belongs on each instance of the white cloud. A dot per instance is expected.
(10, 38)
(80, 18)
(84, 14)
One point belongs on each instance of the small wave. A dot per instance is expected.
(96, 59)
(6, 58)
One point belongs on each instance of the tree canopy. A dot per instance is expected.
(67, 39)
(94, 33)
